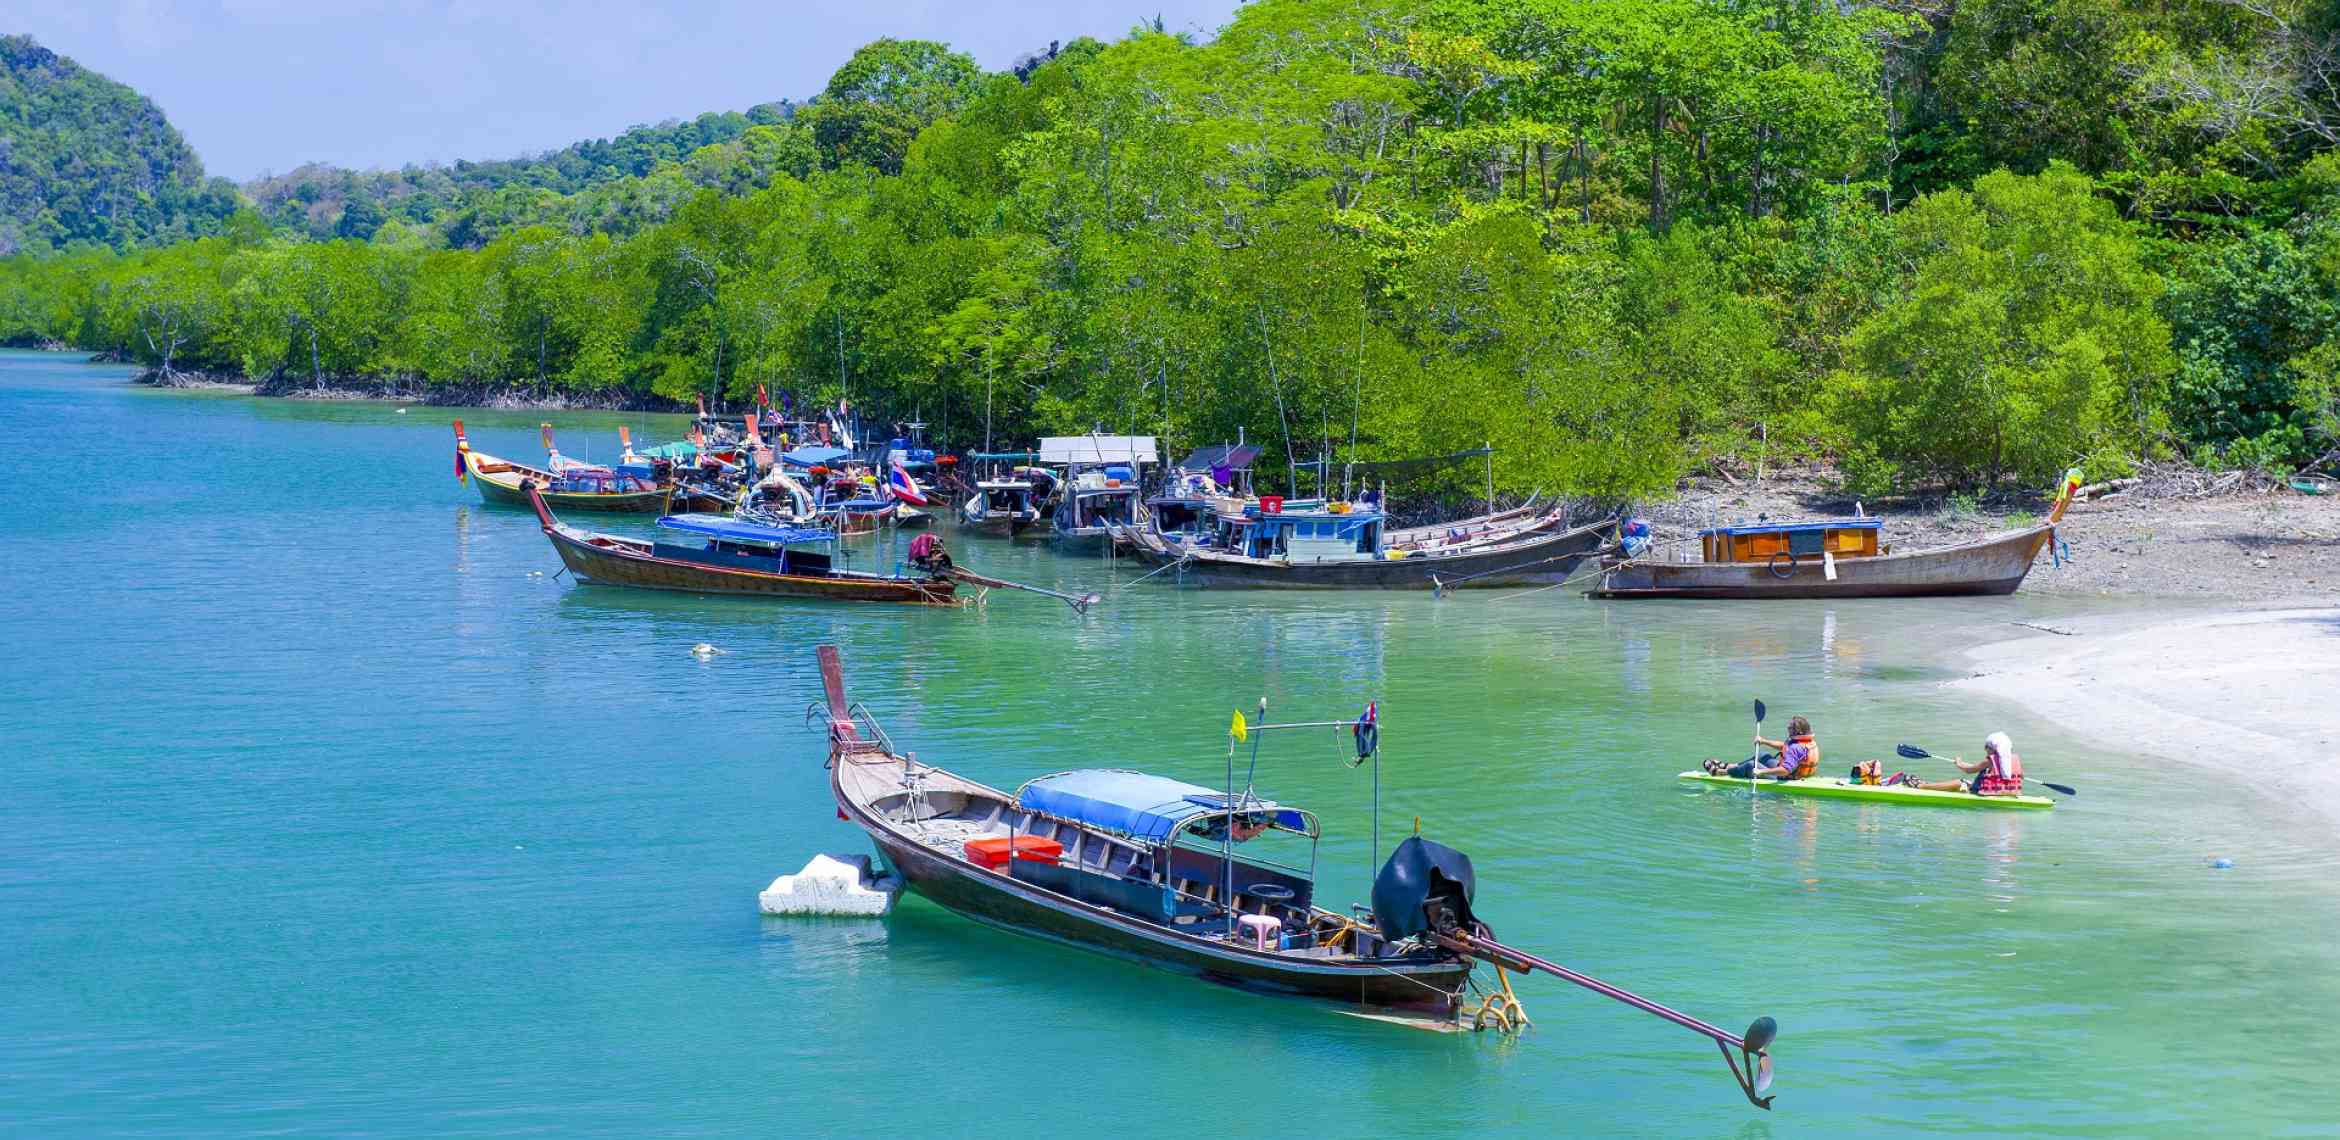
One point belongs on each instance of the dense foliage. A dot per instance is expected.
(1618, 240)
(85, 160)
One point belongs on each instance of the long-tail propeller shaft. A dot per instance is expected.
(1752, 1047)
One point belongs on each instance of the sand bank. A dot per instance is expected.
(2253, 694)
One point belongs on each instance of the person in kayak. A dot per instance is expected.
(1871, 773)
(1998, 773)
(1798, 757)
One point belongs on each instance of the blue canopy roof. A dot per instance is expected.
(813, 455)
(736, 530)
(1136, 804)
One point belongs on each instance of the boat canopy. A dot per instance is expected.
(678, 452)
(1870, 522)
(813, 455)
(1232, 456)
(730, 529)
(1137, 804)
(1099, 449)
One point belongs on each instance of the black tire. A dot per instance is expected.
(1774, 565)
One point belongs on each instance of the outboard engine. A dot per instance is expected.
(1425, 888)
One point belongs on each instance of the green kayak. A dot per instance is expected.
(1897, 794)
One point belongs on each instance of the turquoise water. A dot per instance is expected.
(330, 809)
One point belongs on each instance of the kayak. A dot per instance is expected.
(1895, 794)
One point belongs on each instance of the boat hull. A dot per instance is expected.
(615, 561)
(499, 482)
(1992, 566)
(1541, 558)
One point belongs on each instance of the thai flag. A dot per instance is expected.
(904, 487)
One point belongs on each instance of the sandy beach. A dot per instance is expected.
(2251, 694)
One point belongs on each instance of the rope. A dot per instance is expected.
(1173, 564)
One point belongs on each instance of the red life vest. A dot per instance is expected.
(2002, 772)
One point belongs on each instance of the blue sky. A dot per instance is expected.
(264, 85)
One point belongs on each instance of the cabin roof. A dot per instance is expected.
(1099, 449)
(813, 454)
(1870, 522)
(735, 530)
(1137, 804)
(1236, 457)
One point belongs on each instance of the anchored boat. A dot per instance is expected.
(1832, 558)
(732, 556)
(564, 481)
(1277, 545)
(1146, 868)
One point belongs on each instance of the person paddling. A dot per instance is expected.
(1798, 756)
(1998, 773)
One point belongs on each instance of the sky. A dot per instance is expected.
(260, 86)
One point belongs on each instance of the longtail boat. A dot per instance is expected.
(1144, 868)
(731, 556)
(1832, 558)
(1277, 545)
(564, 482)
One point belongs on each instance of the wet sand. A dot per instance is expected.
(2254, 695)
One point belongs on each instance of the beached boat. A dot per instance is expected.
(728, 555)
(1831, 558)
(567, 484)
(1144, 868)
(1274, 545)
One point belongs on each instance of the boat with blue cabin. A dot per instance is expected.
(1339, 545)
(1102, 479)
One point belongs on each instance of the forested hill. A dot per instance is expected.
(85, 159)
(469, 200)
(1619, 239)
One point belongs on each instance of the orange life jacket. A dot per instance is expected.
(1808, 765)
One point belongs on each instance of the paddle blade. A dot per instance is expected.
(1911, 752)
(1759, 712)
(2067, 789)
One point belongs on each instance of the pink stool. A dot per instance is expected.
(1264, 929)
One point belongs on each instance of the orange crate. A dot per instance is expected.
(993, 853)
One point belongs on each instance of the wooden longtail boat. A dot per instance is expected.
(1135, 872)
(502, 482)
(1276, 547)
(1144, 868)
(1839, 558)
(737, 557)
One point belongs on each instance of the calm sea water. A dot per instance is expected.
(328, 808)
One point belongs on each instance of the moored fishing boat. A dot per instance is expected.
(1102, 476)
(565, 483)
(1831, 558)
(1010, 505)
(732, 556)
(1144, 868)
(1339, 546)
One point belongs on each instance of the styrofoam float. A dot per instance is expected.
(832, 884)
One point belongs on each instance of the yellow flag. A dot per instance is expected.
(1238, 728)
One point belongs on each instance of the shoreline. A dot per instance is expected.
(2231, 691)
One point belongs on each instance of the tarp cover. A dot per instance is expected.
(1234, 456)
(1135, 803)
(1416, 872)
(1142, 806)
(734, 530)
(679, 452)
(813, 456)
(1099, 449)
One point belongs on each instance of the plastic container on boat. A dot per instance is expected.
(993, 852)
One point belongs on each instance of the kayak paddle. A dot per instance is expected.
(1913, 752)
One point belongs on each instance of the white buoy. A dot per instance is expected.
(703, 651)
(832, 884)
